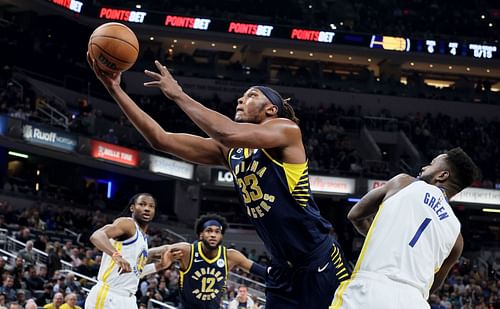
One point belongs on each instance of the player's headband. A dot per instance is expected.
(274, 97)
(212, 222)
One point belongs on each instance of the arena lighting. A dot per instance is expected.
(18, 154)
(491, 210)
(251, 29)
(122, 15)
(483, 51)
(187, 22)
(109, 186)
(353, 199)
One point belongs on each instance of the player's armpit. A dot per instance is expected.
(448, 263)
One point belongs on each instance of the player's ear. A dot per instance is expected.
(132, 208)
(442, 176)
(271, 110)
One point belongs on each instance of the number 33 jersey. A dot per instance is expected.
(203, 282)
(277, 198)
(412, 234)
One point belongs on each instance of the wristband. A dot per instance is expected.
(258, 270)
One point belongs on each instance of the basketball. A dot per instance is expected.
(114, 47)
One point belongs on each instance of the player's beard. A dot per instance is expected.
(210, 247)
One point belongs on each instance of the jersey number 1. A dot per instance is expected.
(421, 228)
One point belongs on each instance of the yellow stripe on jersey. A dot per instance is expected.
(183, 273)
(225, 263)
(102, 297)
(297, 178)
(118, 248)
(337, 301)
(210, 261)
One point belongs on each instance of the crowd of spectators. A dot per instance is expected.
(25, 278)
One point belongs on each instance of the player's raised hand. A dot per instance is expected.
(169, 256)
(163, 80)
(108, 79)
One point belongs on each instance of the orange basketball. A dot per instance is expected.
(114, 47)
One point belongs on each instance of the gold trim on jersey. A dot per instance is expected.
(183, 273)
(210, 261)
(337, 301)
(225, 263)
(297, 178)
(103, 291)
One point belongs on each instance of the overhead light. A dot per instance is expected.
(431, 65)
(341, 23)
(310, 6)
(412, 63)
(450, 67)
(369, 59)
(291, 52)
(151, 38)
(483, 17)
(138, 6)
(491, 210)
(468, 69)
(353, 199)
(311, 54)
(234, 46)
(333, 27)
(490, 25)
(330, 56)
(38, 172)
(350, 58)
(488, 70)
(175, 40)
(274, 50)
(213, 44)
(170, 50)
(37, 187)
(18, 154)
(192, 42)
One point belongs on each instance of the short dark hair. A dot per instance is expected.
(198, 226)
(463, 170)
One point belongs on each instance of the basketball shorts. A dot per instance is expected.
(376, 291)
(102, 296)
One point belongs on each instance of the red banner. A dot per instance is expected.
(114, 153)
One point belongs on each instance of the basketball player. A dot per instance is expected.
(263, 148)
(205, 264)
(413, 240)
(125, 253)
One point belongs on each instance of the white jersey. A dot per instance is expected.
(135, 251)
(412, 234)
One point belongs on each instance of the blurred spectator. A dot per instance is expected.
(70, 302)
(242, 300)
(28, 254)
(56, 303)
(7, 288)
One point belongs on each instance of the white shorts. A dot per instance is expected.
(377, 292)
(102, 296)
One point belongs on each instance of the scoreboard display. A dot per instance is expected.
(464, 48)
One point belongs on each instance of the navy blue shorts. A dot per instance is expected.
(312, 286)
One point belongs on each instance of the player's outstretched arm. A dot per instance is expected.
(362, 213)
(186, 146)
(271, 134)
(121, 228)
(448, 263)
(237, 259)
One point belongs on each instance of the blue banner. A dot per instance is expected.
(39, 135)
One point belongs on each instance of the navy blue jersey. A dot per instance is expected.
(204, 281)
(277, 198)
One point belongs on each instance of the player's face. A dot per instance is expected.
(144, 209)
(211, 236)
(251, 107)
(430, 172)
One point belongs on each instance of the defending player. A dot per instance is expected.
(413, 240)
(125, 254)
